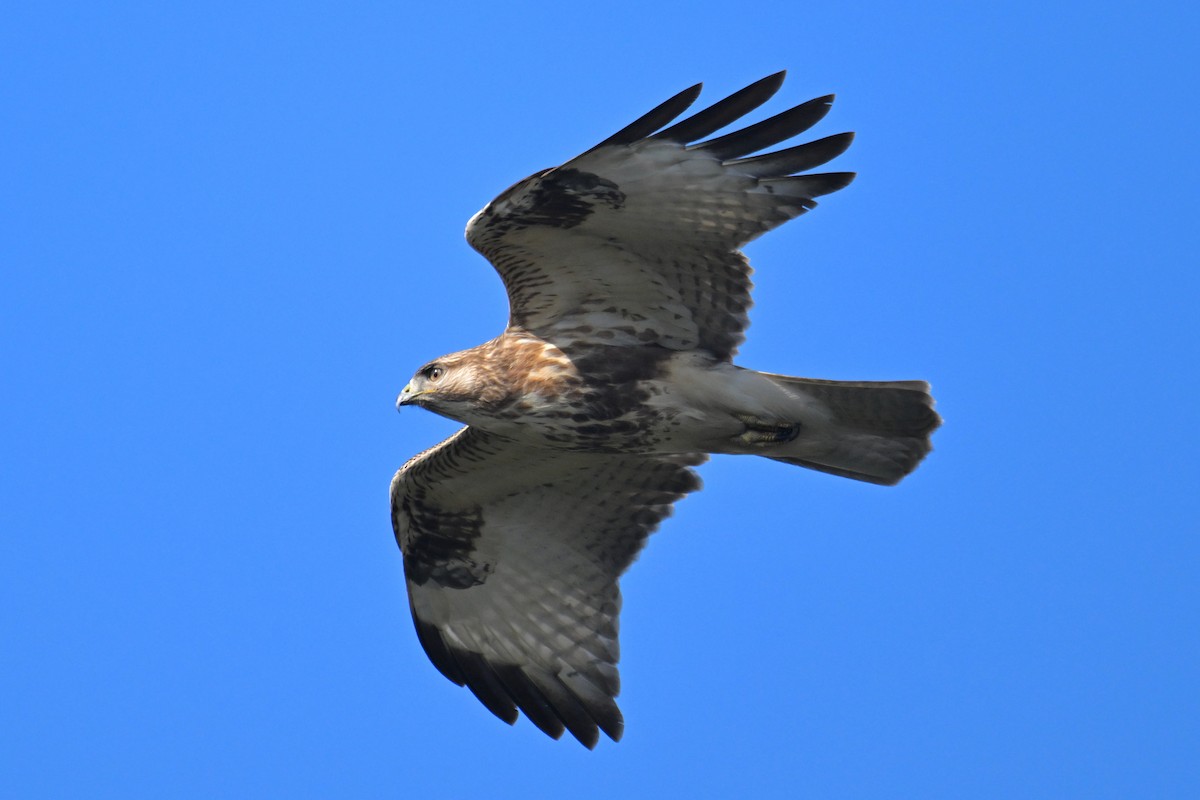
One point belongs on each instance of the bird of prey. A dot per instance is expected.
(614, 378)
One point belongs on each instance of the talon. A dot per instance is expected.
(761, 432)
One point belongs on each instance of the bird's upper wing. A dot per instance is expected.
(512, 556)
(636, 241)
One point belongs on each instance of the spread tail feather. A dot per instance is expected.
(878, 432)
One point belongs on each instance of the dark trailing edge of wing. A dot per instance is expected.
(723, 112)
(648, 123)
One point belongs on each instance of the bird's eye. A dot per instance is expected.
(434, 373)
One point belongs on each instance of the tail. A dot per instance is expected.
(878, 431)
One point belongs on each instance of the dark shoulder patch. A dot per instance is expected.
(564, 198)
(444, 551)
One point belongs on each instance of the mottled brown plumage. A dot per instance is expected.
(628, 299)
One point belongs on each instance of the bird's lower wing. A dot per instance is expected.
(512, 556)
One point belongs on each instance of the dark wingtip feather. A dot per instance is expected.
(465, 668)
(567, 707)
(435, 647)
(770, 131)
(810, 185)
(551, 705)
(723, 112)
(598, 702)
(654, 119)
(829, 182)
(794, 159)
(531, 701)
(486, 685)
(613, 727)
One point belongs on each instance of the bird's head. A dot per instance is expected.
(449, 386)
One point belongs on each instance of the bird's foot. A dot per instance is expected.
(761, 432)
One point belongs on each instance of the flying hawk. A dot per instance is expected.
(628, 298)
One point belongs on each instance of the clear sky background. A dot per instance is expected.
(230, 232)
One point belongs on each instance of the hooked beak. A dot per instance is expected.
(407, 396)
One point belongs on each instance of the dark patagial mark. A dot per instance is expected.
(445, 556)
(564, 198)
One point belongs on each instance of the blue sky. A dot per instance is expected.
(230, 232)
